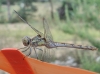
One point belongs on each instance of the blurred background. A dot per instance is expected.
(70, 21)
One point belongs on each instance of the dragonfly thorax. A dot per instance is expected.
(26, 40)
(37, 41)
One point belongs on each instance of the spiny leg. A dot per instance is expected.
(39, 49)
(22, 48)
(42, 52)
(29, 53)
(42, 57)
(26, 49)
(36, 53)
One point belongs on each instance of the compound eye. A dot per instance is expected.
(26, 40)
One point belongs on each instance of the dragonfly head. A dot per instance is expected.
(26, 40)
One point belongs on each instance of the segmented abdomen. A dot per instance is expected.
(57, 44)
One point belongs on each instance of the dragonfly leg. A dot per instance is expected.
(30, 51)
(22, 48)
(43, 55)
(25, 49)
(39, 49)
(28, 54)
(36, 53)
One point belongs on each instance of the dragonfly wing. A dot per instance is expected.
(38, 32)
(48, 55)
(47, 32)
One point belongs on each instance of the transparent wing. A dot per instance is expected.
(38, 32)
(47, 32)
(48, 55)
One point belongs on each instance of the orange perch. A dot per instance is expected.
(11, 60)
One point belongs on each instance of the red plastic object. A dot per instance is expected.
(11, 60)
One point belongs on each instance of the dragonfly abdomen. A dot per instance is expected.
(57, 44)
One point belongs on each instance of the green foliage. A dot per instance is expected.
(88, 18)
(89, 63)
(68, 28)
(96, 43)
(25, 10)
(2, 18)
(85, 20)
(15, 1)
(82, 33)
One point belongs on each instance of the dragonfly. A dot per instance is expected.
(46, 39)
